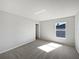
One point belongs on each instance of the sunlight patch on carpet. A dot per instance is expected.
(49, 47)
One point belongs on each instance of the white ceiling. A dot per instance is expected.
(41, 10)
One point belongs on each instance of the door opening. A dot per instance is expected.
(37, 31)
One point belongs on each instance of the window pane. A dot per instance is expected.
(60, 34)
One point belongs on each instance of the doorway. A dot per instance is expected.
(37, 31)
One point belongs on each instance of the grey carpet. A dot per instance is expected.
(30, 51)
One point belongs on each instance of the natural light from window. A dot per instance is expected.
(49, 47)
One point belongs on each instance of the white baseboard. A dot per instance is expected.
(15, 46)
(77, 50)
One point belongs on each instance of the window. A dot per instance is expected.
(61, 29)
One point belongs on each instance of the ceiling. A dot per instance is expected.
(41, 10)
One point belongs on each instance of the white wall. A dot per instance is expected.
(48, 31)
(15, 31)
(77, 31)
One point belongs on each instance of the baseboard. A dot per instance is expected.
(16, 46)
(77, 49)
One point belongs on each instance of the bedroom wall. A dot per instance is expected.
(77, 31)
(15, 31)
(48, 30)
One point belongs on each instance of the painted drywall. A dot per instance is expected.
(48, 30)
(77, 31)
(15, 31)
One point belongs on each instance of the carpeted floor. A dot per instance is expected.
(31, 51)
